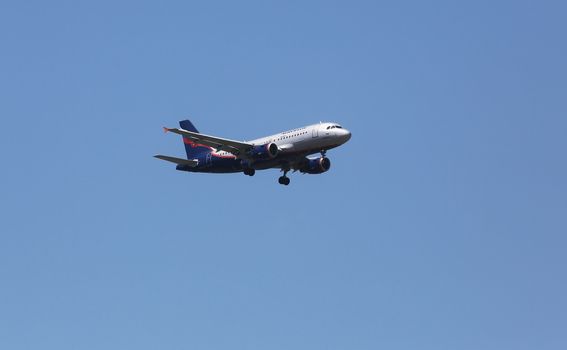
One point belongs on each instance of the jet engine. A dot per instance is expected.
(316, 166)
(267, 151)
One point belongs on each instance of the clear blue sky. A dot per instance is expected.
(441, 225)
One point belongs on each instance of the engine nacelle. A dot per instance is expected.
(316, 166)
(267, 151)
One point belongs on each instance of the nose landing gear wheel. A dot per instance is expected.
(283, 180)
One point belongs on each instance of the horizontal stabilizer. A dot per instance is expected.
(191, 163)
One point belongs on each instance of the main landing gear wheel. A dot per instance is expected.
(283, 180)
(249, 171)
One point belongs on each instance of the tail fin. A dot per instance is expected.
(187, 125)
(193, 149)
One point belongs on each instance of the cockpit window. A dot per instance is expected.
(338, 127)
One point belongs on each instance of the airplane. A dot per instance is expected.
(287, 151)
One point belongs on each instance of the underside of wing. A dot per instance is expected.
(181, 161)
(237, 148)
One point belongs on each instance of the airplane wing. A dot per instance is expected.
(181, 161)
(237, 148)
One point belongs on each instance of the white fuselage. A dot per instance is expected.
(306, 140)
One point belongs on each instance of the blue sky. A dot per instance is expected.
(441, 224)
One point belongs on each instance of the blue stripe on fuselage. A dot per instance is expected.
(210, 163)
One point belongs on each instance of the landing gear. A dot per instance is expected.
(249, 171)
(323, 152)
(284, 180)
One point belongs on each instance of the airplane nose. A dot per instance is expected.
(345, 135)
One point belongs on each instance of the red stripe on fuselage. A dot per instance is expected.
(193, 144)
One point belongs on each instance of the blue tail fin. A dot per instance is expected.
(193, 149)
(187, 125)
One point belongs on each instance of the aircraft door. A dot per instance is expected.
(209, 159)
(315, 131)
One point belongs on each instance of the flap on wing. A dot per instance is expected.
(188, 162)
(235, 147)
